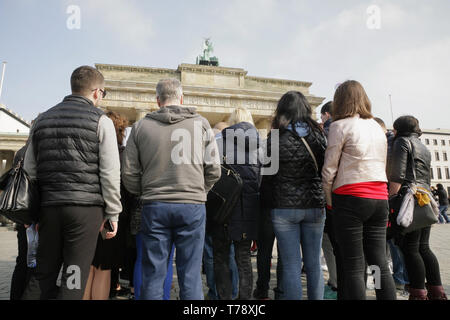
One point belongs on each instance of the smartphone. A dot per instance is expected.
(107, 227)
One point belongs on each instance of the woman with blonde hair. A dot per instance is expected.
(240, 114)
(355, 184)
(242, 226)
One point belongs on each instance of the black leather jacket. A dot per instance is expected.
(400, 165)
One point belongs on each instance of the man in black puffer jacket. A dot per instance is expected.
(74, 157)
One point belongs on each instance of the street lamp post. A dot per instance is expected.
(392, 112)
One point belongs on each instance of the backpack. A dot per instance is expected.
(223, 196)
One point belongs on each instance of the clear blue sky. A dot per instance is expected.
(324, 42)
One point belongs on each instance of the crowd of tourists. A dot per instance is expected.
(120, 204)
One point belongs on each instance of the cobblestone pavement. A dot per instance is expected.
(440, 243)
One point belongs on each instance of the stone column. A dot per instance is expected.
(6, 160)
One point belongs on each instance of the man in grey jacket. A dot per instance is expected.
(73, 155)
(171, 162)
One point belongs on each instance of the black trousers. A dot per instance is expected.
(266, 239)
(221, 257)
(67, 237)
(22, 273)
(340, 271)
(420, 261)
(360, 229)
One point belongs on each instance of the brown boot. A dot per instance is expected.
(417, 294)
(436, 293)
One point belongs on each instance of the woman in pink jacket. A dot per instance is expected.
(355, 185)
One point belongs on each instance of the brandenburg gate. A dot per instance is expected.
(215, 91)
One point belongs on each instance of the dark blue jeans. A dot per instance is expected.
(165, 224)
(137, 279)
(443, 214)
(360, 229)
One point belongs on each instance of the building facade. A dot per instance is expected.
(438, 142)
(14, 131)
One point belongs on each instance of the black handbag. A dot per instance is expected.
(423, 216)
(223, 196)
(19, 199)
(395, 202)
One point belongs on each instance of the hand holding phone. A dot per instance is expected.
(107, 230)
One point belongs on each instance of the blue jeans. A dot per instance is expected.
(162, 226)
(295, 228)
(138, 272)
(400, 275)
(443, 214)
(208, 262)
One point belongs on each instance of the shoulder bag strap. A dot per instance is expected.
(307, 147)
(311, 153)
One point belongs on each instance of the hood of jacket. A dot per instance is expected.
(301, 128)
(173, 114)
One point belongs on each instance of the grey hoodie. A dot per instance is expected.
(166, 157)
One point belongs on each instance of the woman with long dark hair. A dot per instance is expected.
(296, 196)
(421, 263)
(355, 184)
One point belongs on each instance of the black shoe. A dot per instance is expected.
(260, 295)
(112, 293)
(123, 292)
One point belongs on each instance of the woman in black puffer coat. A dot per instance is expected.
(242, 228)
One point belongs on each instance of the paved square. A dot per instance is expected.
(440, 244)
